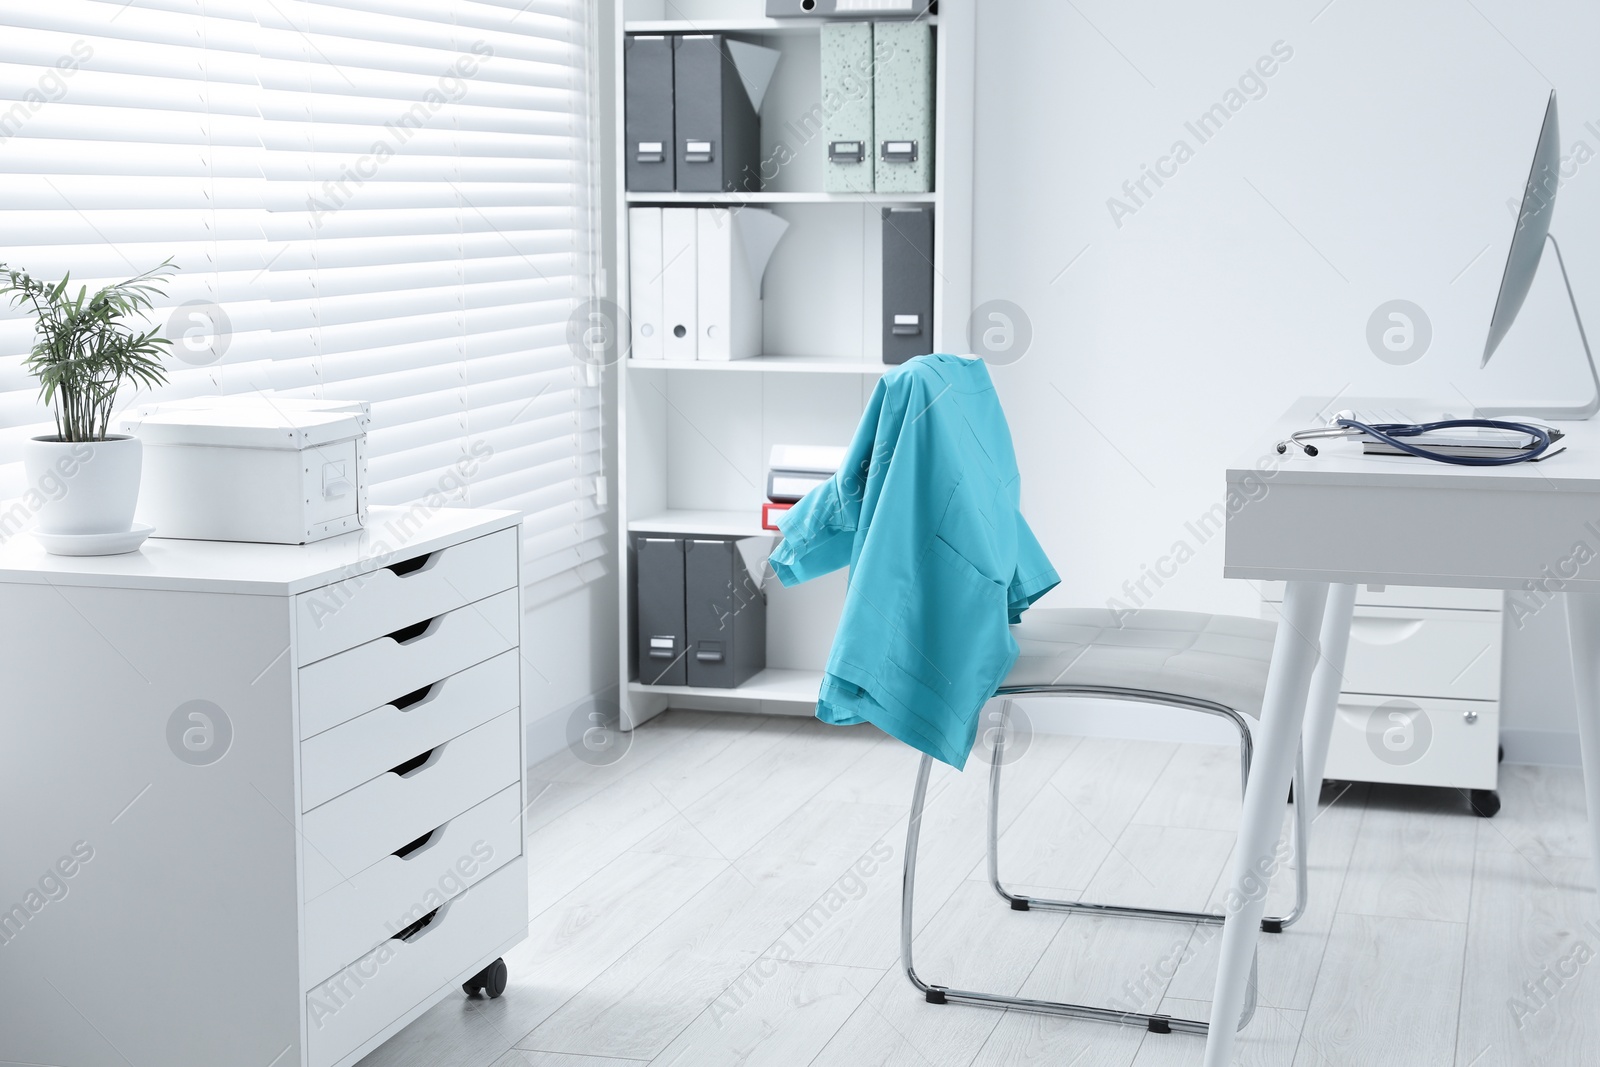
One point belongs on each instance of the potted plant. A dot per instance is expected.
(85, 350)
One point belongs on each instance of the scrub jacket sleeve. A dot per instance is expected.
(1034, 577)
(819, 532)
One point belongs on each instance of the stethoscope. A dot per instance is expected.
(1392, 434)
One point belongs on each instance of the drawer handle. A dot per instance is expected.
(416, 631)
(1384, 631)
(419, 763)
(411, 566)
(415, 697)
(421, 844)
(419, 929)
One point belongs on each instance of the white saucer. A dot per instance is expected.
(112, 544)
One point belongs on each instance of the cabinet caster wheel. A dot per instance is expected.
(490, 981)
(1485, 803)
(1502, 757)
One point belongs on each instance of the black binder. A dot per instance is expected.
(663, 644)
(725, 613)
(718, 131)
(907, 283)
(647, 120)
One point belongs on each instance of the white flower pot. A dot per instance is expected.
(83, 487)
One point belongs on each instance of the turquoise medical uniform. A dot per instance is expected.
(925, 513)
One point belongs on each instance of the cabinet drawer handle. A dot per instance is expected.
(422, 927)
(416, 631)
(1384, 631)
(415, 697)
(411, 566)
(421, 844)
(418, 763)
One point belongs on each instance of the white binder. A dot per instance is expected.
(679, 338)
(644, 282)
(733, 250)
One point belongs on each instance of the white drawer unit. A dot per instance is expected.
(287, 781)
(1420, 701)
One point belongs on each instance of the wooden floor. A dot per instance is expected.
(728, 893)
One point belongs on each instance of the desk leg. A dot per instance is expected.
(1294, 657)
(1326, 681)
(1583, 631)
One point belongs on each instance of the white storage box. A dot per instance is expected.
(252, 468)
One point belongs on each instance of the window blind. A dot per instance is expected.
(382, 200)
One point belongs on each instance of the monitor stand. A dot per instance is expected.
(1559, 414)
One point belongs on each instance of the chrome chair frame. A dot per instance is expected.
(937, 994)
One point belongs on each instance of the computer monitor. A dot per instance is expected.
(1528, 239)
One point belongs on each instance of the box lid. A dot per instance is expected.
(251, 421)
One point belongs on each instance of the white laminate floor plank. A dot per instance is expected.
(1542, 814)
(865, 932)
(896, 1027)
(522, 1058)
(1413, 855)
(636, 1006)
(1288, 961)
(1199, 788)
(776, 1014)
(1532, 947)
(1388, 994)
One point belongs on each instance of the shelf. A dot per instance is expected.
(774, 683)
(709, 523)
(775, 364)
(873, 199)
(755, 25)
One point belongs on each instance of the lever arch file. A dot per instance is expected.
(847, 90)
(731, 254)
(663, 644)
(644, 282)
(718, 85)
(902, 94)
(679, 265)
(647, 117)
(907, 283)
(725, 614)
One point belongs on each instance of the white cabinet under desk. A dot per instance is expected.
(1420, 700)
(262, 804)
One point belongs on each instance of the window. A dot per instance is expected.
(388, 205)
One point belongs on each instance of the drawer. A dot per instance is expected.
(367, 606)
(358, 914)
(1421, 652)
(357, 680)
(358, 828)
(349, 1011)
(1416, 741)
(1409, 596)
(354, 752)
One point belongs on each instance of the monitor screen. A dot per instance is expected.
(1533, 223)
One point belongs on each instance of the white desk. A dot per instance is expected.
(1327, 523)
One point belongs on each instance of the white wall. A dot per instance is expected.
(1376, 163)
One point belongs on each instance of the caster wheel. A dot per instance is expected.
(1502, 757)
(490, 981)
(1485, 803)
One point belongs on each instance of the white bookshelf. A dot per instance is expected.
(693, 437)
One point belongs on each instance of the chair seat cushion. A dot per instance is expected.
(1220, 658)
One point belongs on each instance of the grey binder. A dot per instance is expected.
(718, 128)
(726, 615)
(907, 283)
(647, 119)
(663, 643)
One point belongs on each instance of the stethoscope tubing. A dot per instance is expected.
(1393, 434)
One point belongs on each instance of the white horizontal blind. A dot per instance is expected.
(384, 200)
